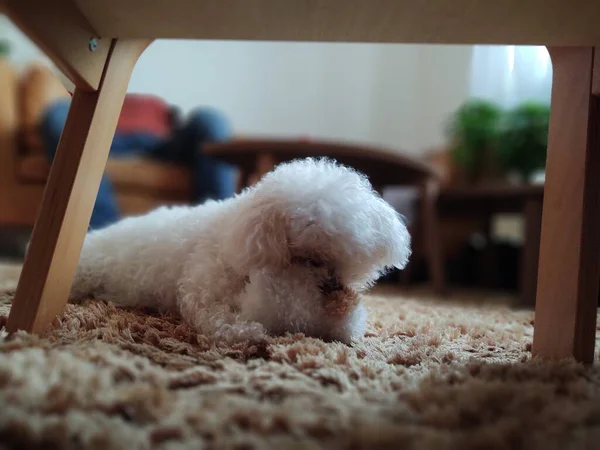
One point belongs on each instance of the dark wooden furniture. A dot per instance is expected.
(485, 201)
(254, 157)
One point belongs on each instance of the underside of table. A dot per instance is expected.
(97, 43)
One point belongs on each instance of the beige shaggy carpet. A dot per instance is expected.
(428, 375)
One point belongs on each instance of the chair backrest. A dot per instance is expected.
(384, 167)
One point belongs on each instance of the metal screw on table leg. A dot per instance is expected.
(93, 44)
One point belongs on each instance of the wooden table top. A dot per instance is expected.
(77, 34)
(548, 22)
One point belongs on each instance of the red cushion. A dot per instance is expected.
(143, 113)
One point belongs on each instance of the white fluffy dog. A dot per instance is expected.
(290, 254)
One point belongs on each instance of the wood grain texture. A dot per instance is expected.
(70, 194)
(63, 33)
(425, 21)
(569, 268)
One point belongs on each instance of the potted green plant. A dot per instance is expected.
(523, 139)
(473, 131)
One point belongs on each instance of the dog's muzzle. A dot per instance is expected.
(339, 300)
(330, 285)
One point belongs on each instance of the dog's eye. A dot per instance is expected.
(309, 262)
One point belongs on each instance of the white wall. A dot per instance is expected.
(393, 95)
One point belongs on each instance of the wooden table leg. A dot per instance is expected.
(431, 236)
(70, 194)
(531, 250)
(567, 293)
(243, 180)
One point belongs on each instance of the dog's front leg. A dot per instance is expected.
(219, 322)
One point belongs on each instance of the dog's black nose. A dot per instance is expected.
(330, 284)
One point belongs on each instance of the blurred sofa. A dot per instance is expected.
(140, 184)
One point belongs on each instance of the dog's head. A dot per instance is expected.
(320, 233)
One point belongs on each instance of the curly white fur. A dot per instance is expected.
(290, 254)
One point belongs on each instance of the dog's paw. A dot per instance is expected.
(252, 333)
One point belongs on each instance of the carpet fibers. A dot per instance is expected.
(428, 375)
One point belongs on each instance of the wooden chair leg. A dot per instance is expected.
(243, 180)
(432, 238)
(70, 194)
(265, 162)
(567, 291)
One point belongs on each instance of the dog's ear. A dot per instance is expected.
(258, 237)
(397, 246)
